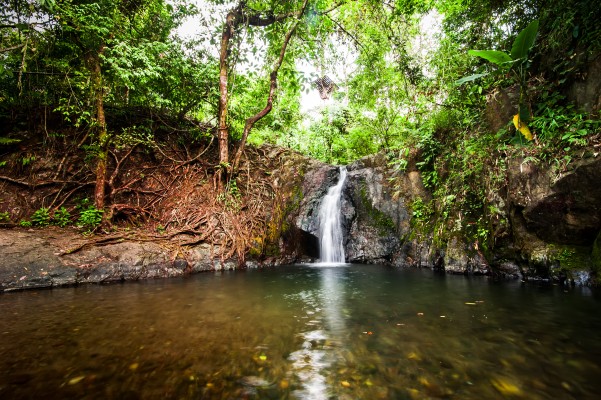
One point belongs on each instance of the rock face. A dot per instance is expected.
(375, 221)
(553, 221)
(562, 210)
(38, 259)
(376, 224)
(586, 92)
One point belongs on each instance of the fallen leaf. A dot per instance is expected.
(505, 387)
(345, 384)
(76, 380)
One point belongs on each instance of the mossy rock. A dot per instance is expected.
(378, 219)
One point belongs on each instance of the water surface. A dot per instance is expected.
(302, 332)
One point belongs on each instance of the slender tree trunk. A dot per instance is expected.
(223, 128)
(94, 61)
(273, 78)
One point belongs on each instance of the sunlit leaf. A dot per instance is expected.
(494, 56)
(524, 41)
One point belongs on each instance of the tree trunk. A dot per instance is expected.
(94, 62)
(223, 128)
(273, 78)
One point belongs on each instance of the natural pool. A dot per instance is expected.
(302, 332)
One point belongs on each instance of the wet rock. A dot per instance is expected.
(376, 224)
(507, 269)
(36, 259)
(555, 218)
(181, 264)
(462, 258)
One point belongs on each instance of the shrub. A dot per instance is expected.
(41, 217)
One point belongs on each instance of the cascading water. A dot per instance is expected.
(330, 228)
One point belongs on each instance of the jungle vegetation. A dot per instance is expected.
(412, 79)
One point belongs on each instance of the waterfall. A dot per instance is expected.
(330, 228)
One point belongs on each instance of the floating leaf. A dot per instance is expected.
(76, 380)
(506, 388)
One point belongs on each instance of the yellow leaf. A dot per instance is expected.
(506, 388)
(522, 127)
(76, 380)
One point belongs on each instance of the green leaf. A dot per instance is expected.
(494, 56)
(524, 41)
(524, 112)
(470, 78)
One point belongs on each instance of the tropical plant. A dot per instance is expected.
(61, 217)
(41, 217)
(90, 218)
(516, 63)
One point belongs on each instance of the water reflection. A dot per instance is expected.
(304, 332)
(321, 342)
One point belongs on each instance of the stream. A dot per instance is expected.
(302, 332)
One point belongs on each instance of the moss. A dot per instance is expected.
(382, 222)
(570, 257)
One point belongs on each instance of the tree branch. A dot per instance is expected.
(4, 50)
(347, 32)
(273, 76)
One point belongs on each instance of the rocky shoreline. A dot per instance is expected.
(42, 258)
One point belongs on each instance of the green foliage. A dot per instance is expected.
(4, 141)
(524, 42)
(25, 223)
(61, 217)
(516, 62)
(41, 217)
(4, 217)
(231, 197)
(562, 125)
(90, 218)
(430, 149)
(421, 211)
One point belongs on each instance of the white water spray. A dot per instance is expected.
(330, 228)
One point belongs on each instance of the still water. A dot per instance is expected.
(302, 332)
